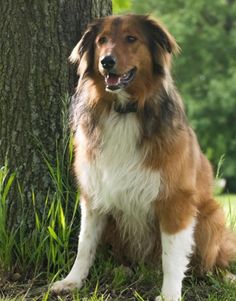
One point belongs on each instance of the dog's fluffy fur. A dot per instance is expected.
(145, 184)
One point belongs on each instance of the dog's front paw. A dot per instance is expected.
(65, 286)
(162, 298)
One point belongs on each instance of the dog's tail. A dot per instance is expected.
(216, 244)
(227, 251)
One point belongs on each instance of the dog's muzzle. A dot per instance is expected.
(113, 80)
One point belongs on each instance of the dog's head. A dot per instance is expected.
(125, 52)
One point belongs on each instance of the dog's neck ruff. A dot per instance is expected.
(130, 107)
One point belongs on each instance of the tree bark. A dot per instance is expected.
(36, 38)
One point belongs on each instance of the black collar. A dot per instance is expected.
(130, 107)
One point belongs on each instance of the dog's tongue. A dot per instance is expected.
(112, 79)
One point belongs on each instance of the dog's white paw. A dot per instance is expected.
(65, 286)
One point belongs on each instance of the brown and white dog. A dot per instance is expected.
(143, 178)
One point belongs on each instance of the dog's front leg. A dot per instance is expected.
(176, 250)
(92, 225)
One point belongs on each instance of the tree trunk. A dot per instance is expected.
(36, 38)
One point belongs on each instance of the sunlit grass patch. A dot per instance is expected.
(228, 202)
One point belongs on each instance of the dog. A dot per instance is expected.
(145, 185)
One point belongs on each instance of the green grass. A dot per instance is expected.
(228, 202)
(47, 247)
(141, 283)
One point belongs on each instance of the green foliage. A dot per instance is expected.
(47, 247)
(6, 237)
(121, 6)
(44, 247)
(205, 71)
(228, 201)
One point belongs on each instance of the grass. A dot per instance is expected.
(46, 248)
(228, 202)
(141, 283)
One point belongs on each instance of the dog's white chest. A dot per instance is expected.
(116, 180)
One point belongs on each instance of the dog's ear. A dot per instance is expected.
(161, 44)
(159, 35)
(83, 53)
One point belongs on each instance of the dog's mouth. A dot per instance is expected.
(116, 81)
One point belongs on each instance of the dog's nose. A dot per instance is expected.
(108, 62)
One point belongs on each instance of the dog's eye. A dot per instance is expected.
(102, 40)
(131, 39)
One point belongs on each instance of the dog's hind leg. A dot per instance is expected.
(216, 244)
(92, 225)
